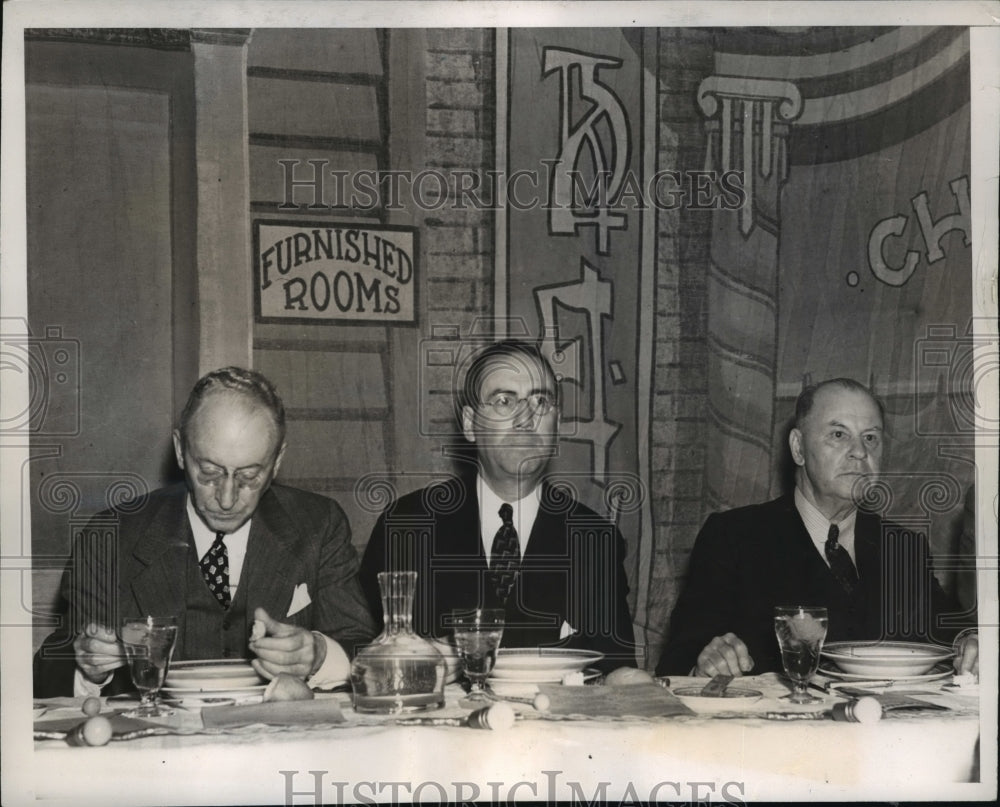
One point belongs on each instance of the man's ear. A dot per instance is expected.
(179, 449)
(280, 457)
(795, 444)
(468, 423)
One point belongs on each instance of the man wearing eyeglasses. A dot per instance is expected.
(226, 550)
(498, 535)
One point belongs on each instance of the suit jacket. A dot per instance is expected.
(747, 561)
(143, 562)
(572, 570)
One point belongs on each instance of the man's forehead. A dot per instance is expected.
(227, 408)
(500, 370)
(836, 404)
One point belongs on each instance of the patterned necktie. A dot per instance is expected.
(840, 561)
(505, 555)
(215, 570)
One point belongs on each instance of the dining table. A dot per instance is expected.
(640, 744)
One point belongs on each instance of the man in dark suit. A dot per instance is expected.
(499, 536)
(224, 550)
(814, 547)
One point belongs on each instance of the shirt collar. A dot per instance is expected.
(818, 526)
(204, 537)
(525, 513)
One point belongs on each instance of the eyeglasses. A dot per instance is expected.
(507, 405)
(241, 480)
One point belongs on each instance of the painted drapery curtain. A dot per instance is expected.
(575, 256)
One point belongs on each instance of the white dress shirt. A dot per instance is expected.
(818, 527)
(236, 544)
(525, 513)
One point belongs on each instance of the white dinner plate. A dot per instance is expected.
(885, 659)
(830, 670)
(510, 688)
(209, 667)
(236, 693)
(732, 700)
(541, 665)
(212, 675)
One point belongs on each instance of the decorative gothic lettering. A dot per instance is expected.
(593, 297)
(574, 201)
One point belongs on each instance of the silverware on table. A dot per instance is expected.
(716, 688)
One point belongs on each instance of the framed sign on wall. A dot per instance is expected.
(334, 273)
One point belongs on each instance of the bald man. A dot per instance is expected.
(229, 553)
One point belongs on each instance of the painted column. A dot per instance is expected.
(225, 276)
(747, 128)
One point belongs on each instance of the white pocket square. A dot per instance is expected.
(300, 599)
(566, 630)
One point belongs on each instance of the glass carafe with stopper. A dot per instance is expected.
(400, 671)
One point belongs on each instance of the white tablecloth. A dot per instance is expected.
(911, 756)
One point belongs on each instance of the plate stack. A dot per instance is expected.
(519, 671)
(890, 661)
(213, 679)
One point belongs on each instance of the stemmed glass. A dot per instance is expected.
(801, 630)
(149, 644)
(477, 636)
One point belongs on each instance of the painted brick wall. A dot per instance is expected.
(457, 243)
(679, 385)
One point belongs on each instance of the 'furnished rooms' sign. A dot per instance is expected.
(324, 272)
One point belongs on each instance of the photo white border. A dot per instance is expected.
(15, 673)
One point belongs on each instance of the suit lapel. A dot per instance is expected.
(560, 568)
(816, 573)
(548, 534)
(868, 553)
(801, 542)
(456, 573)
(163, 553)
(866, 546)
(460, 532)
(270, 569)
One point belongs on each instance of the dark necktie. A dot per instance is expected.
(840, 561)
(215, 570)
(505, 555)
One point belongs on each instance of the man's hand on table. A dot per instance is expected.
(286, 649)
(98, 653)
(967, 654)
(724, 655)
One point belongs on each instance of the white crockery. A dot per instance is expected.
(212, 675)
(885, 659)
(541, 665)
(734, 699)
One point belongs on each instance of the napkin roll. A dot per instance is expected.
(278, 713)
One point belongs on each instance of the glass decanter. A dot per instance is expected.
(400, 671)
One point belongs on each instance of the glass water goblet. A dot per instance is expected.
(149, 644)
(477, 637)
(801, 630)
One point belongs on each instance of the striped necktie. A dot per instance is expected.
(215, 570)
(840, 561)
